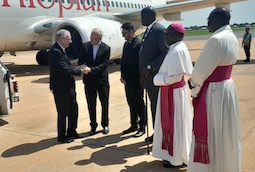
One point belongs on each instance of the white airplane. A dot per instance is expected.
(32, 24)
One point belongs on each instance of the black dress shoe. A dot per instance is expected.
(150, 139)
(92, 131)
(140, 132)
(65, 140)
(246, 60)
(169, 165)
(76, 136)
(105, 130)
(130, 130)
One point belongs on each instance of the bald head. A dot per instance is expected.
(96, 36)
(218, 17)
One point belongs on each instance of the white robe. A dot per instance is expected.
(224, 130)
(176, 64)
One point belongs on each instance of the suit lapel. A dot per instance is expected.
(99, 52)
(151, 31)
(90, 52)
(64, 54)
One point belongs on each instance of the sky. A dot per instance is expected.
(241, 12)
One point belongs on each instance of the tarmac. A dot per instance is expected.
(28, 136)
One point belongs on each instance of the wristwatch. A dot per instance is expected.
(148, 67)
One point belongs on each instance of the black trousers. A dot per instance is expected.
(153, 96)
(247, 52)
(152, 91)
(100, 88)
(134, 95)
(67, 109)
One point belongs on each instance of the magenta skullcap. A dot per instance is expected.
(178, 27)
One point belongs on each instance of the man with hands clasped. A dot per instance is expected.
(95, 56)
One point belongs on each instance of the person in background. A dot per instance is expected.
(217, 142)
(173, 124)
(152, 53)
(95, 55)
(246, 44)
(130, 78)
(62, 84)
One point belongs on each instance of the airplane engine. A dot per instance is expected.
(81, 28)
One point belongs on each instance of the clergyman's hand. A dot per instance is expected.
(145, 73)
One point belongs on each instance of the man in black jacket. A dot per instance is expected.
(130, 77)
(63, 86)
(152, 53)
(95, 55)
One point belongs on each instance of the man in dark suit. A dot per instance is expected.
(130, 77)
(152, 52)
(63, 86)
(95, 55)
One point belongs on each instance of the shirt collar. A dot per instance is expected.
(173, 45)
(62, 47)
(97, 44)
(131, 40)
(226, 27)
(150, 26)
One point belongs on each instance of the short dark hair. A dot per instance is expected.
(127, 26)
(223, 14)
(150, 11)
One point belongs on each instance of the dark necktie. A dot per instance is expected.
(145, 34)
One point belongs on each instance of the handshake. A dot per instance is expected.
(85, 69)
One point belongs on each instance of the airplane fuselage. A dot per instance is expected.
(19, 18)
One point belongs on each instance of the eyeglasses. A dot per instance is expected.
(94, 38)
(125, 32)
(67, 39)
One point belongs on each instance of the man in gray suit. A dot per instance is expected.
(152, 53)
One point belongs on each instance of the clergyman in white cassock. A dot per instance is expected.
(173, 124)
(216, 141)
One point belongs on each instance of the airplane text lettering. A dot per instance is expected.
(62, 6)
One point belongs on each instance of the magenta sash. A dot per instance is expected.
(167, 114)
(200, 114)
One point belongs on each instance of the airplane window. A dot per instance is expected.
(124, 5)
(135, 6)
(103, 3)
(132, 5)
(108, 3)
(139, 6)
(88, 2)
(94, 2)
(117, 5)
(75, 1)
(49, 0)
(128, 5)
(112, 4)
(121, 4)
(98, 2)
(56, 0)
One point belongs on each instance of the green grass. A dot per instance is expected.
(204, 32)
(196, 32)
